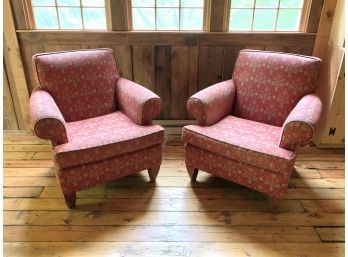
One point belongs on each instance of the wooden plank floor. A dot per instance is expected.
(133, 217)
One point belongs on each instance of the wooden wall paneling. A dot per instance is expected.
(119, 15)
(166, 38)
(230, 57)
(19, 15)
(163, 78)
(91, 46)
(329, 46)
(58, 47)
(10, 118)
(15, 64)
(275, 48)
(193, 70)
(336, 117)
(179, 82)
(15, 99)
(143, 57)
(219, 15)
(314, 16)
(255, 47)
(325, 23)
(123, 55)
(293, 49)
(27, 51)
(210, 65)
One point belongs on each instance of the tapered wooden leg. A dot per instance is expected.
(273, 203)
(70, 200)
(193, 172)
(153, 172)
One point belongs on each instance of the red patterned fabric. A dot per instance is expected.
(213, 103)
(298, 129)
(84, 176)
(82, 83)
(47, 120)
(243, 140)
(271, 183)
(104, 137)
(139, 103)
(269, 84)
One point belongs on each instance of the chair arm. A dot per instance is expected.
(47, 120)
(212, 103)
(298, 128)
(137, 102)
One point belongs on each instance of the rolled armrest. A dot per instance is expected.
(298, 128)
(212, 103)
(47, 120)
(137, 102)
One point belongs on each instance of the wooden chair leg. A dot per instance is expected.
(273, 203)
(70, 200)
(153, 172)
(193, 172)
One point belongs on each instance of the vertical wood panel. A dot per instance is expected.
(10, 118)
(326, 19)
(15, 64)
(314, 16)
(15, 99)
(275, 48)
(193, 73)
(119, 15)
(179, 82)
(210, 65)
(19, 15)
(219, 18)
(27, 53)
(163, 77)
(230, 57)
(143, 57)
(193, 70)
(57, 48)
(123, 55)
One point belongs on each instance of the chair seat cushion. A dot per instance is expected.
(104, 137)
(243, 140)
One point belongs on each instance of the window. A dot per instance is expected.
(167, 14)
(69, 14)
(266, 15)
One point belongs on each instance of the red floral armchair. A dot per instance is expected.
(99, 123)
(249, 126)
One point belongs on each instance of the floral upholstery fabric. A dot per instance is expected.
(243, 140)
(269, 84)
(84, 176)
(269, 182)
(104, 137)
(213, 103)
(82, 83)
(298, 129)
(139, 103)
(47, 120)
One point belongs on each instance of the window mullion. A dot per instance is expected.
(83, 22)
(57, 14)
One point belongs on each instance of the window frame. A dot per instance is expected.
(211, 21)
(30, 18)
(304, 17)
(205, 25)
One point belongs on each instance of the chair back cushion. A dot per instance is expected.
(82, 82)
(270, 84)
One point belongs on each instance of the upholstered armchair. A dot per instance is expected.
(100, 124)
(249, 126)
